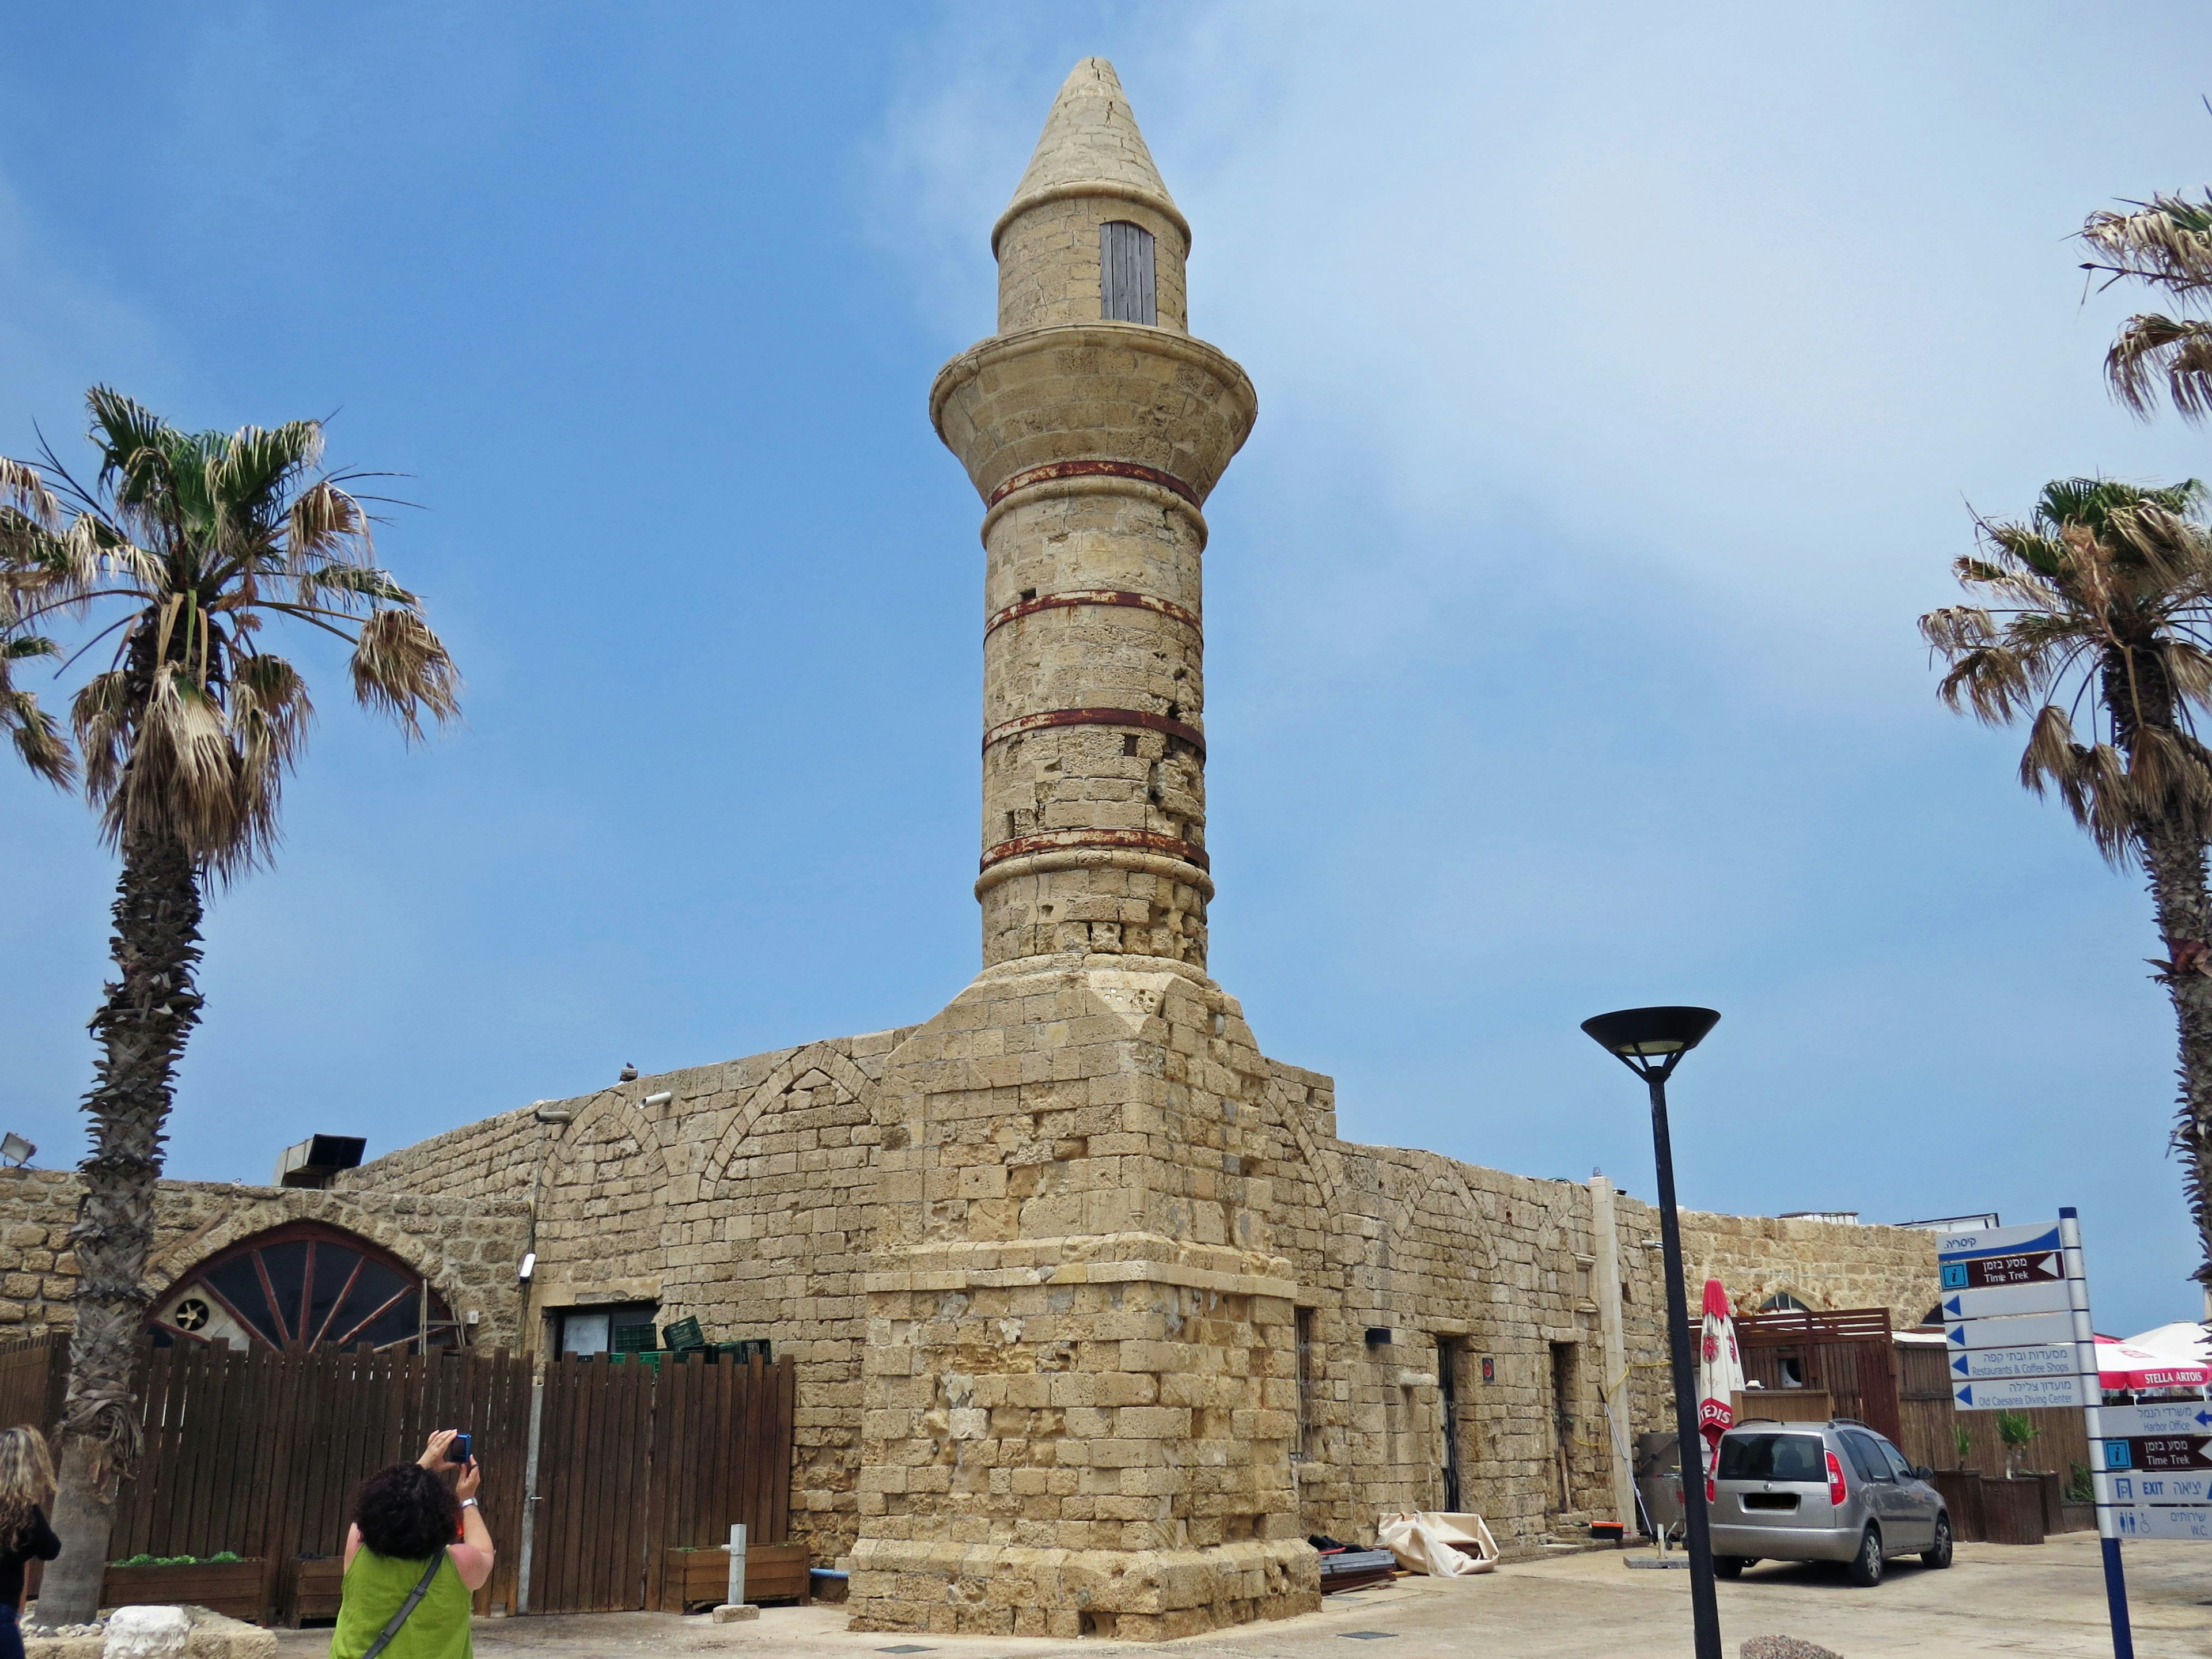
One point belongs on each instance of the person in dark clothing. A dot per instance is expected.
(26, 1486)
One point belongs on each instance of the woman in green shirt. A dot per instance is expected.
(405, 1518)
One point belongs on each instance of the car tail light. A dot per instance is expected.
(1837, 1490)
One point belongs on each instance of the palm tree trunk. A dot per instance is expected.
(2175, 859)
(150, 1008)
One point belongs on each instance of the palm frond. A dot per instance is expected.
(201, 537)
(400, 667)
(2152, 351)
(23, 487)
(2166, 242)
(38, 738)
(325, 523)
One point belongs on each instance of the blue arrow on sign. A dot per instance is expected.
(2205, 1418)
(1954, 1308)
(1959, 1337)
(1966, 1394)
(1959, 1365)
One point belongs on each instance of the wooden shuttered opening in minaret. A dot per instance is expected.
(1126, 289)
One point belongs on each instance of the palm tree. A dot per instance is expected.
(197, 540)
(2101, 607)
(2166, 242)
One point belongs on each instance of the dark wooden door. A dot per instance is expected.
(594, 1472)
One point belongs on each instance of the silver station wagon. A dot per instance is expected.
(1822, 1492)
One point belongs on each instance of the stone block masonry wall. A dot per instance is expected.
(758, 1193)
(494, 1158)
(1081, 1366)
(1824, 1264)
(467, 1249)
(742, 1199)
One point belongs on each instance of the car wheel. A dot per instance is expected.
(1730, 1566)
(1866, 1565)
(1938, 1554)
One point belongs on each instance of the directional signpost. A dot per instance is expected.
(2016, 1326)
(2008, 1319)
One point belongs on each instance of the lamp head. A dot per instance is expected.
(1650, 1042)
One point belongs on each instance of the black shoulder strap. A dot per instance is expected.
(414, 1601)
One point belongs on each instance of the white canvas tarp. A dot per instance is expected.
(1427, 1542)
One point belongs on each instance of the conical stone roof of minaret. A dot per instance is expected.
(1091, 146)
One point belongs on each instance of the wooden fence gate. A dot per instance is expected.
(258, 1453)
(634, 1463)
(1847, 1352)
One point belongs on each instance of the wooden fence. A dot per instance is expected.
(1931, 1419)
(1848, 1352)
(259, 1453)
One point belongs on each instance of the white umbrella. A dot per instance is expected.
(2186, 1340)
(1720, 1371)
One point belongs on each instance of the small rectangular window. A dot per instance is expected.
(1305, 1334)
(626, 1329)
(1126, 289)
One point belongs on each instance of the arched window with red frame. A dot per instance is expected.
(302, 1286)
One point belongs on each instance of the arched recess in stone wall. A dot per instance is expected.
(606, 1194)
(302, 1284)
(835, 1067)
(1327, 1168)
(423, 1255)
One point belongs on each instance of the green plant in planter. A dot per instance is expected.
(1965, 1444)
(2016, 1430)
(2079, 1488)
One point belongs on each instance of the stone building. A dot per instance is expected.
(1096, 1318)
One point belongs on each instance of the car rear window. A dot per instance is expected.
(1772, 1457)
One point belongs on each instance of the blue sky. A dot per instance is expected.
(1627, 382)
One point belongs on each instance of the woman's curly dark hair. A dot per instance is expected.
(407, 1512)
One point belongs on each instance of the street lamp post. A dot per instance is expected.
(1650, 1042)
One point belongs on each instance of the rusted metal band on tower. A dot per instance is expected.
(1139, 841)
(1052, 717)
(1056, 470)
(1081, 596)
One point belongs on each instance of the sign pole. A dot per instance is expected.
(2092, 1412)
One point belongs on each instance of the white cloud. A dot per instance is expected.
(1748, 301)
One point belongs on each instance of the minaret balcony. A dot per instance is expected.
(1048, 402)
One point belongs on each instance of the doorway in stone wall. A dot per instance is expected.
(1448, 1358)
(1563, 1419)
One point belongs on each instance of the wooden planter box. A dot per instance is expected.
(237, 1589)
(2012, 1510)
(691, 1578)
(1962, 1496)
(317, 1587)
(2054, 1498)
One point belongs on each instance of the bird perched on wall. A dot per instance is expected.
(628, 1074)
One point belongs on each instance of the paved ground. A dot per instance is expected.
(2046, 1601)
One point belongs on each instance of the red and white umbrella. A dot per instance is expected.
(2125, 1365)
(1720, 1371)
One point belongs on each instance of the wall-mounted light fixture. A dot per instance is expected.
(17, 1150)
(529, 1266)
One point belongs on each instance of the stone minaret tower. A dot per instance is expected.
(1094, 427)
(1080, 1385)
